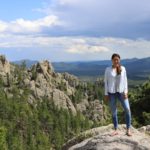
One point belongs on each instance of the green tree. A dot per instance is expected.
(3, 142)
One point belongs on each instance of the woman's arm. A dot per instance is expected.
(106, 82)
(126, 84)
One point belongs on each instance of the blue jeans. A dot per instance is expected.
(125, 104)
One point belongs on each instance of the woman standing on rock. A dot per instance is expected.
(116, 86)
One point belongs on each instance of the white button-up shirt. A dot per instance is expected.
(115, 83)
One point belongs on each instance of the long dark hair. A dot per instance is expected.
(119, 67)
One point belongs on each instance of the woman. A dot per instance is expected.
(116, 86)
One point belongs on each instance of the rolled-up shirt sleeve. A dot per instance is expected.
(106, 82)
(125, 82)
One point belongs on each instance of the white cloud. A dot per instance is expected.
(29, 26)
(3, 26)
(84, 49)
(66, 2)
(86, 18)
(72, 48)
(84, 46)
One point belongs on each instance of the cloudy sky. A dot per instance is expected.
(72, 30)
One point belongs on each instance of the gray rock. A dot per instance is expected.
(93, 110)
(43, 83)
(4, 70)
(96, 110)
(72, 80)
(82, 106)
(4, 65)
(62, 100)
(100, 139)
(145, 129)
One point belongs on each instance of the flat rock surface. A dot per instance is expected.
(102, 139)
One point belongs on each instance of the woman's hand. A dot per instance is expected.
(106, 97)
(125, 95)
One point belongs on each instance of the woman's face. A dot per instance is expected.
(116, 61)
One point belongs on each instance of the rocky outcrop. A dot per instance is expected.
(4, 65)
(4, 70)
(94, 110)
(100, 139)
(145, 129)
(62, 100)
(83, 105)
(72, 80)
(43, 82)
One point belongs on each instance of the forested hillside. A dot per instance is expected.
(140, 104)
(41, 109)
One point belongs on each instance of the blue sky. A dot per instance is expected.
(72, 30)
(11, 10)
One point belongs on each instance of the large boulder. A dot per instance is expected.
(62, 100)
(94, 110)
(145, 129)
(4, 70)
(73, 81)
(4, 66)
(83, 105)
(100, 139)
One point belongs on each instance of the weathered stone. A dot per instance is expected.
(72, 80)
(62, 100)
(4, 66)
(43, 83)
(100, 139)
(4, 70)
(82, 106)
(145, 129)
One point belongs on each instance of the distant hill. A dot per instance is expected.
(138, 69)
(28, 62)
